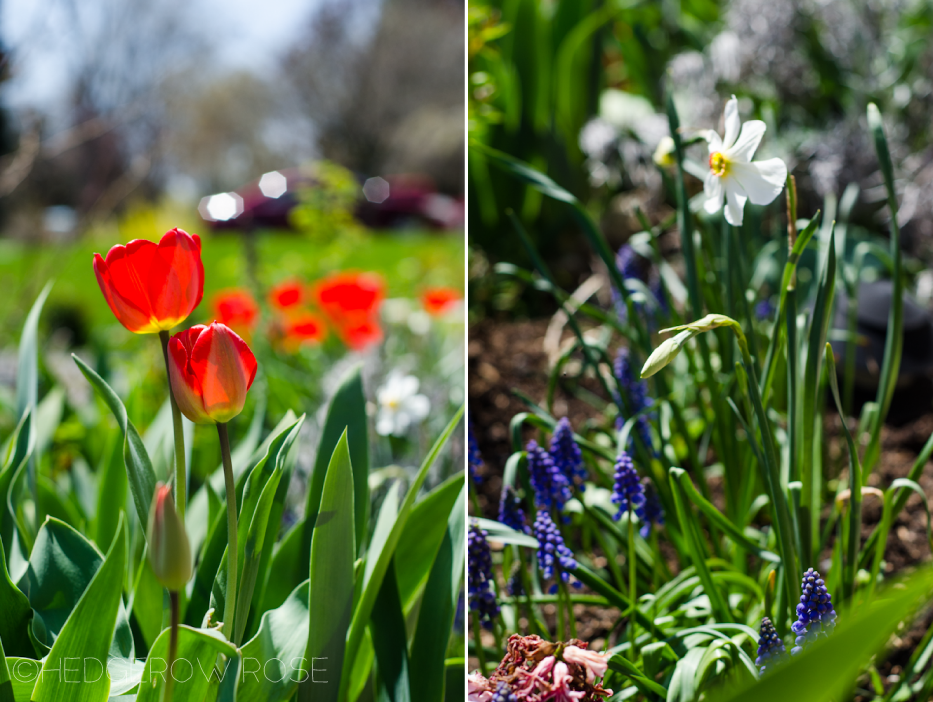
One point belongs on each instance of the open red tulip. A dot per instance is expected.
(152, 287)
(211, 369)
(439, 301)
(286, 295)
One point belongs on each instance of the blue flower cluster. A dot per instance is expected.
(815, 613)
(770, 646)
(503, 693)
(480, 577)
(653, 512)
(474, 459)
(552, 489)
(553, 555)
(636, 396)
(764, 310)
(632, 266)
(627, 489)
(566, 454)
(510, 510)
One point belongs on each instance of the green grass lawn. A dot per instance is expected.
(408, 262)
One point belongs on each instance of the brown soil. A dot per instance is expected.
(508, 355)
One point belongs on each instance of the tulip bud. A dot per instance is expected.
(211, 370)
(169, 551)
(152, 287)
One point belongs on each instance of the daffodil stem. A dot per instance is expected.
(172, 649)
(181, 479)
(230, 595)
(632, 584)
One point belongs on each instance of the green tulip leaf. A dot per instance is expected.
(76, 667)
(15, 613)
(281, 640)
(139, 471)
(438, 606)
(390, 641)
(333, 553)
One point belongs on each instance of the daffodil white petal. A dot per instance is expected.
(749, 139)
(712, 188)
(735, 203)
(715, 141)
(761, 181)
(733, 123)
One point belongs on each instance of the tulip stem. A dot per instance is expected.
(181, 480)
(172, 649)
(230, 595)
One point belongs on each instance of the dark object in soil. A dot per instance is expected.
(913, 395)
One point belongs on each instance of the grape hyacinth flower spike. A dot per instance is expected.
(815, 613)
(554, 558)
(627, 490)
(770, 646)
(480, 578)
(474, 458)
(510, 510)
(566, 454)
(503, 693)
(653, 512)
(552, 489)
(636, 398)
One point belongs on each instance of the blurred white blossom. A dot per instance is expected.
(400, 405)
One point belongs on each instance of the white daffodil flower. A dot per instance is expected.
(400, 405)
(732, 173)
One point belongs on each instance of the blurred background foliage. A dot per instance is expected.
(577, 90)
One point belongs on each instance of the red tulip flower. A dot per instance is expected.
(152, 287)
(439, 301)
(287, 295)
(236, 309)
(351, 301)
(304, 328)
(211, 369)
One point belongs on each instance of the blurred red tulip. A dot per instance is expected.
(439, 301)
(211, 369)
(237, 309)
(286, 295)
(351, 301)
(304, 328)
(169, 549)
(360, 334)
(152, 287)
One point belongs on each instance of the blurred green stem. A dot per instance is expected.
(230, 595)
(632, 585)
(167, 691)
(181, 478)
(478, 646)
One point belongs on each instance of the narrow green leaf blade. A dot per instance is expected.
(331, 589)
(390, 641)
(15, 613)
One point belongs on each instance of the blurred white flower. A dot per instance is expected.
(399, 405)
(732, 173)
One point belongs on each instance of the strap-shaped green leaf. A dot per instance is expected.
(139, 471)
(390, 641)
(198, 677)
(333, 553)
(438, 606)
(76, 667)
(15, 612)
(281, 640)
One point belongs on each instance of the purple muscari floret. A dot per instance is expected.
(550, 485)
(764, 310)
(636, 398)
(480, 577)
(815, 613)
(653, 512)
(510, 510)
(566, 454)
(770, 647)
(657, 289)
(627, 490)
(503, 693)
(554, 558)
(627, 261)
(474, 458)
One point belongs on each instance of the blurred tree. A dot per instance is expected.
(392, 100)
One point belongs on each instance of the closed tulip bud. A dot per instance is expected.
(211, 370)
(169, 551)
(152, 287)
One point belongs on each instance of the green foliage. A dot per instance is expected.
(326, 207)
